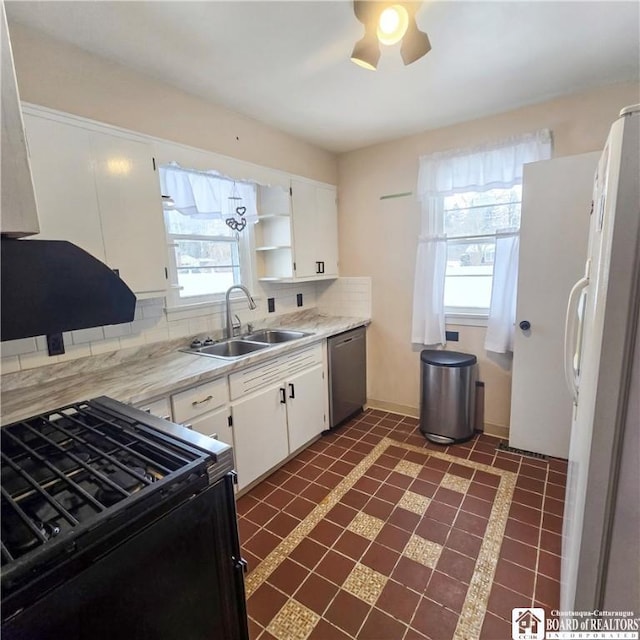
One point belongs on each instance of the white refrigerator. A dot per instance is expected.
(601, 531)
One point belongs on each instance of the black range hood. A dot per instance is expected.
(51, 286)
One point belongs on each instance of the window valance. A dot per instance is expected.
(481, 168)
(206, 193)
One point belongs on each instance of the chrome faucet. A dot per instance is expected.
(252, 305)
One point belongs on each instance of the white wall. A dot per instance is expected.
(60, 76)
(378, 237)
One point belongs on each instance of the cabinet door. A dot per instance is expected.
(260, 433)
(215, 425)
(305, 247)
(327, 229)
(130, 211)
(64, 185)
(306, 394)
(273, 200)
(315, 230)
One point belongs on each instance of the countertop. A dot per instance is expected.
(153, 373)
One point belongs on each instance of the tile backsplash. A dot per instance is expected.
(151, 324)
(345, 296)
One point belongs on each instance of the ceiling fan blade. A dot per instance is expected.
(415, 44)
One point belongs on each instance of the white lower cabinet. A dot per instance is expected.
(305, 407)
(205, 409)
(215, 425)
(260, 433)
(265, 412)
(277, 408)
(160, 408)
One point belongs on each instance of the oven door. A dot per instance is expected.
(180, 577)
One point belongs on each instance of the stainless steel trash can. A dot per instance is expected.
(447, 395)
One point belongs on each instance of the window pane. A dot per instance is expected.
(178, 223)
(206, 268)
(468, 293)
(469, 274)
(476, 213)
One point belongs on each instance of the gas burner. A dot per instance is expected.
(109, 495)
(55, 467)
(22, 539)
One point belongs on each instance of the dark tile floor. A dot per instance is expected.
(394, 557)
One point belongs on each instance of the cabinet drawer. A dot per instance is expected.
(160, 408)
(276, 370)
(198, 400)
(297, 361)
(256, 377)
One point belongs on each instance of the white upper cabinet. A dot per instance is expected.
(98, 189)
(19, 212)
(315, 230)
(297, 232)
(130, 206)
(64, 183)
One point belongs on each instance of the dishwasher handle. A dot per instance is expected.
(353, 334)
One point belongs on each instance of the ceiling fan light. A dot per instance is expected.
(366, 53)
(392, 24)
(415, 44)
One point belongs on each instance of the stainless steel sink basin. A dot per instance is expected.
(239, 347)
(229, 349)
(274, 336)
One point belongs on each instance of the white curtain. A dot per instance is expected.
(502, 313)
(206, 194)
(490, 166)
(428, 325)
(481, 168)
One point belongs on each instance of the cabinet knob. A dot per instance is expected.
(525, 325)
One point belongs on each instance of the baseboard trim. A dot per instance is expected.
(392, 407)
(497, 430)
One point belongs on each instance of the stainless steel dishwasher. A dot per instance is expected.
(347, 374)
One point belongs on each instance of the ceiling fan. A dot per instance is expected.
(387, 23)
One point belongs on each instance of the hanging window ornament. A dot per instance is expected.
(236, 209)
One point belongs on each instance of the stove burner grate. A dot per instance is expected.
(65, 468)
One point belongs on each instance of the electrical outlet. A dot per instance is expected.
(271, 304)
(55, 344)
(299, 299)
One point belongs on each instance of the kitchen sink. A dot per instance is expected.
(229, 349)
(274, 336)
(235, 348)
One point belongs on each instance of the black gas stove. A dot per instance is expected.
(96, 484)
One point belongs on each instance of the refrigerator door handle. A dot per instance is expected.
(571, 330)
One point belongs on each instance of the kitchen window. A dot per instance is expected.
(467, 254)
(207, 220)
(471, 221)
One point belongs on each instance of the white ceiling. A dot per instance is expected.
(287, 63)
